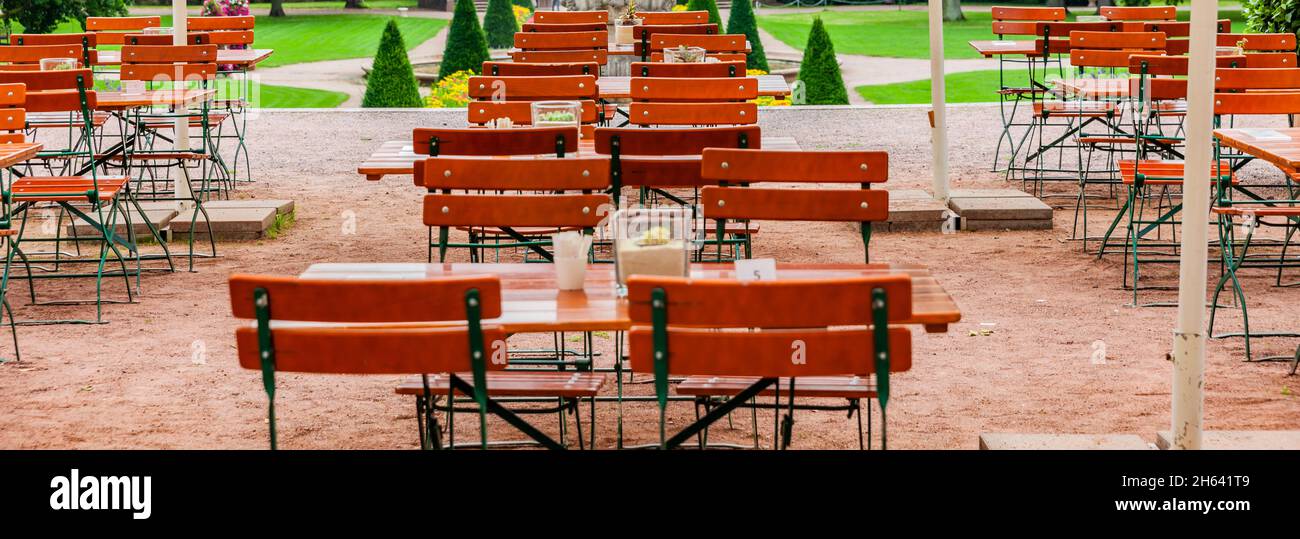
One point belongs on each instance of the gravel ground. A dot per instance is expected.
(163, 374)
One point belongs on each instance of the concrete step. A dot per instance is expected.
(999, 209)
(912, 210)
(1239, 439)
(234, 219)
(161, 217)
(1014, 441)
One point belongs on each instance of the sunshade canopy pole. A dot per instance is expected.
(1189, 335)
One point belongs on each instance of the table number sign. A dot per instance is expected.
(757, 269)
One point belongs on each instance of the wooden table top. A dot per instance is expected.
(239, 57)
(621, 87)
(397, 157)
(16, 152)
(991, 48)
(119, 100)
(1284, 154)
(532, 303)
(1090, 88)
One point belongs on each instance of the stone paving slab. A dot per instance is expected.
(1001, 208)
(978, 225)
(235, 223)
(1239, 439)
(1014, 441)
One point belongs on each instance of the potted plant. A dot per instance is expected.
(625, 23)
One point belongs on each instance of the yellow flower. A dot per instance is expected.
(679, 7)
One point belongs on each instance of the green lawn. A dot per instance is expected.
(969, 87)
(314, 38)
(900, 34)
(285, 97)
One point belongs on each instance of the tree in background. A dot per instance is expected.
(711, 7)
(1272, 16)
(277, 8)
(952, 11)
(43, 16)
(466, 44)
(392, 81)
(742, 21)
(820, 72)
(354, 4)
(525, 3)
(499, 24)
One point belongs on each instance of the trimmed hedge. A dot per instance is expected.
(1272, 16)
(391, 83)
(499, 24)
(467, 47)
(711, 7)
(820, 72)
(742, 21)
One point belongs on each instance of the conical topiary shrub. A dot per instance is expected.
(391, 82)
(499, 24)
(820, 72)
(709, 6)
(466, 45)
(742, 21)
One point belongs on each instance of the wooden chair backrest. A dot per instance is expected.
(786, 312)
(534, 88)
(484, 142)
(31, 55)
(1270, 59)
(54, 91)
(194, 38)
(646, 31)
(653, 114)
(203, 24)
(1112, 49)
(711, 43)
(522, 69)
(1139, 13)
(169, 63)
(13, 119)
(724, 57)
(360, 349)
(668, 157)
(598, 57)
(569, 27)
(112, 30)
(562, 41)
(1256, 91)
(688, 71)
(581, 180)
(1174, 66)
(1259, 42)
(694, 90)
(730, 168)
(569, 17)
(87, 39)
(1020, 21)
(650, 18)
(521, 112)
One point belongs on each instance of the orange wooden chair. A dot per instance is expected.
(13, 121)
(1012, 22)
(546, 195)
(28, 57)
(1264, 50)
(225, 31)
(1255, 92)
(724, 47)
(194, 38)
(352, 332)
(555, 47)
(1140, 13)
(735, 341)
(113, 30)
(1177, 32)
(737, 171)
(658, 159)
(98, 200)
(557, 141)
(696, 101)
(570, 17)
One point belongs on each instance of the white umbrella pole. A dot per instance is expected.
(1189, 336)
(180, 33)
(939, 132)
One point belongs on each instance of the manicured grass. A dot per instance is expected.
(969, 87)
(288, 97)
(900, 34)
(314, 38)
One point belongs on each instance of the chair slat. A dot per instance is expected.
(790, 166)
(673, 17)
(569, 87)
(559, 211)
(367, 351)
(809, 204)
(639, 141)
(693, 114)
(365, 301)
(570, 17)
(600, 57)
(570, 173)
(769, 304)
(694, 89)
(549, 41)
(475, 141)
(769, 353)
(521, 69)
